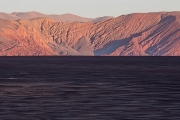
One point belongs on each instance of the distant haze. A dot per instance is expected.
(89, 8)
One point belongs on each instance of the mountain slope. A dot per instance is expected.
(69, 18)
(8, 16)
(139, 34)
(28, 15)
(99, 19)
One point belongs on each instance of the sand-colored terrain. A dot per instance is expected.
(139, 34)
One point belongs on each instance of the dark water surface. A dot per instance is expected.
(90, 88)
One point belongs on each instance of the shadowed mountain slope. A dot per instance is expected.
(99, 19)
(139, 34)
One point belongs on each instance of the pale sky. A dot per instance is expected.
(89, 8)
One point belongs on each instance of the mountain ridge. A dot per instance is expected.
(59, 18)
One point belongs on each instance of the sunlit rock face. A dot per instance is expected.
(150, 34)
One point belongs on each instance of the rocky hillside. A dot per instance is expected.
(139, 34)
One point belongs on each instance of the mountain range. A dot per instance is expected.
(137, 34)
(58, 18)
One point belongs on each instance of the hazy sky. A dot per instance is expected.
(89, 8)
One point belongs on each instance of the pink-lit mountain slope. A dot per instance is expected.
(139, 34)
